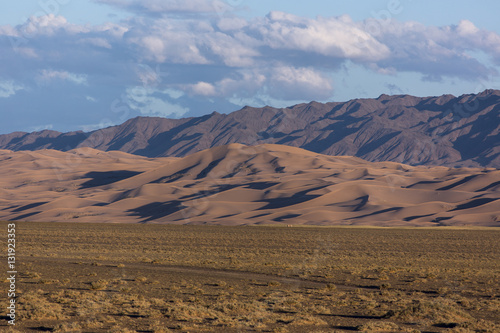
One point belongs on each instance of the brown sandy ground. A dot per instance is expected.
(237, 184)
(166, 278)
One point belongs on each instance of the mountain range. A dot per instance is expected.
(443, 130)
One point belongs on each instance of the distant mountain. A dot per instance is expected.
(446, 130)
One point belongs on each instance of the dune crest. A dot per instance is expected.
(237, 184)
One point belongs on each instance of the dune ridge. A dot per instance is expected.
(237, 184)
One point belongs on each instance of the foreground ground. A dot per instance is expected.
(163, 278)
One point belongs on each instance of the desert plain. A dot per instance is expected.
(81, 277)
(240, 238)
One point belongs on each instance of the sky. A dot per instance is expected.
(70, 65)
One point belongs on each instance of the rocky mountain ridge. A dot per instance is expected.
(443, 130)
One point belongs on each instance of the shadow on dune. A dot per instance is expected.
(29, 206)
(460, 182)
(486, 188)
(105, 178)
(215, 189)
(295, 199)
(387, 210)
(25, 216)
(474, 203)
(157, 210)
(411, 218)
(259, 185)
(286, 217)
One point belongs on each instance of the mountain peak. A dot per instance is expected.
(489, 92)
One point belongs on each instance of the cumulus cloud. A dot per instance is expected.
(151, 102)
(9, 88)
(41, 128)
(177, 59)
(337, 37)
(49, 25)
(203, 89)
(243, 83)
(96, 41)
(230, 50)
(474, 38)
(322, 43)
(467, 28)
(296, 42)
(291, 83)
(49, 75)
(437, 51)
(166, 41)
(231, 23)
(8, 30)
(280, 81)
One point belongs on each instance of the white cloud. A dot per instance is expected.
(8, 30)
(467, 28)
(173, 93)
(92, 127)
(471, 37)
(203, 89)
(337, 37)
(149, 76)
(231, 23)
(437, 51)
(49, 75)
(41, 128)
(154, 46)
(151, 102)
(231, 51)
(167, 41)
(9, 88)
(243, 83)
(49, 25)
(228, 58)
(292, 83)
(96, 41)
(235, 44)
(110, 29)
(280, 82)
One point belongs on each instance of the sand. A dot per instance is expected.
(242, 185)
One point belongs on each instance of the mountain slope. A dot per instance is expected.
(237, 184)
(444, 130)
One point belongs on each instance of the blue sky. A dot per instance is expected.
(81, 65)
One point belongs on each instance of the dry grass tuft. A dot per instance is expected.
(35, 306)
(99, 284)
(379, 326)
(438, 311)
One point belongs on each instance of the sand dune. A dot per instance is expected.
(238, 184)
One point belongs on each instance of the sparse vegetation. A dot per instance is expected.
(164, 278)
